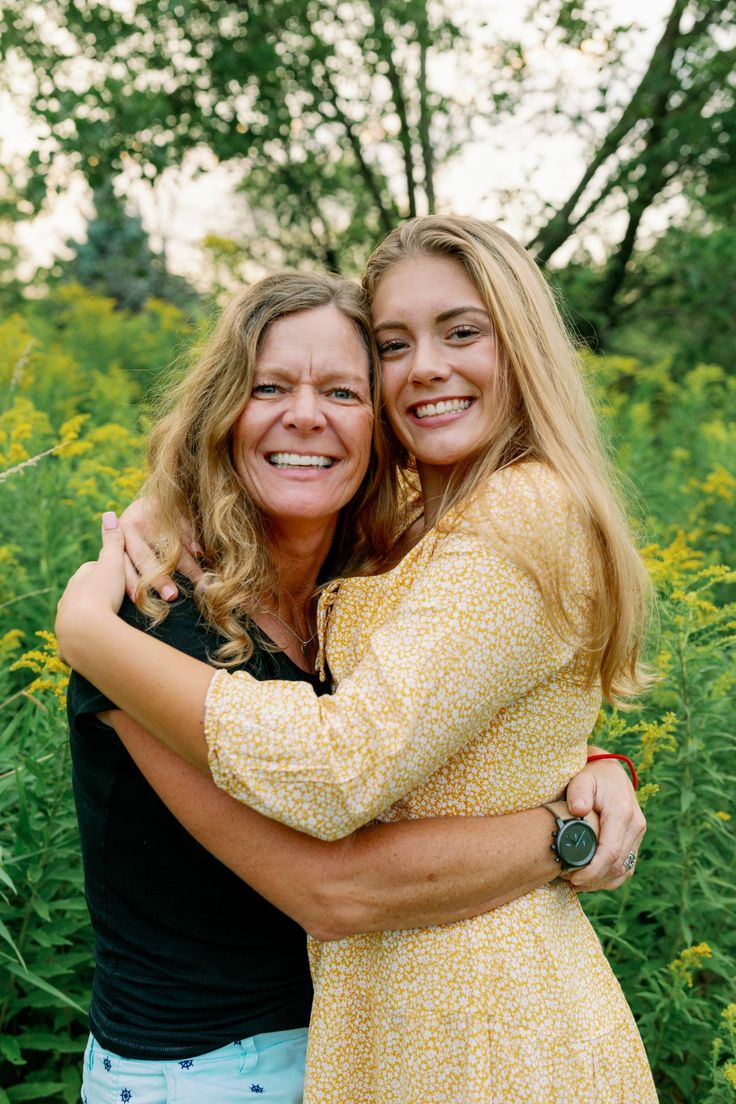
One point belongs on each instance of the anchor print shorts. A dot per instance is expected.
(267, 1067)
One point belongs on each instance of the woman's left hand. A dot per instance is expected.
(96, 588)
(605, 787)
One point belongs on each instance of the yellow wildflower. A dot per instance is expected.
(688, 961)
(644, 793)
(720, 483)
(9, 643)
(721, 814)
(656, 736)
(729, 1074)
(51, 672)
(71, 429)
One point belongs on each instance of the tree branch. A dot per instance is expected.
(399, 102)
(657, 79)
(424, 117)
(386, 217)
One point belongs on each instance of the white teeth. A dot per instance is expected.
(299, 460)
(449, 406)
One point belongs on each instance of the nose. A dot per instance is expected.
(428, 364)
(304, 412)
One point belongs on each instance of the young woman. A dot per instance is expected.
(469, 676)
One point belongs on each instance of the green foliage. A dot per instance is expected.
(70, 446)
(326, 108)
(677, 302)
(73, 375)
(669, 933)
(117, 260)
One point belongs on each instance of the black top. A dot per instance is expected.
(188, 957)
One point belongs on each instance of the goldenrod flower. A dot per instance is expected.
(688, 961)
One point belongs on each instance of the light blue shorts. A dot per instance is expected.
(268, 1067)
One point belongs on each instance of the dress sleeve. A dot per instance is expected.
(469, 638)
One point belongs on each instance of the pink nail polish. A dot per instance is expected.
(168, 593)
(109, 520)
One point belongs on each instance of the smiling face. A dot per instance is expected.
(438, 362)
(302, 443)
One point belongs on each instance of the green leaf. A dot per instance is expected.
(10, 1050)
(36, 1090)
(5, 934)
(39, 983)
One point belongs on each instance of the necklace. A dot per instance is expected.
(303, 644)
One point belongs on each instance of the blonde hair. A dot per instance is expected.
(193, 481)
(543, 414)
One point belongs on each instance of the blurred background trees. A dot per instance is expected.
(338, 119)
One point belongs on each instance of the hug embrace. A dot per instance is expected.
(412, 586)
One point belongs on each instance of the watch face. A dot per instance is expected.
(576, 843)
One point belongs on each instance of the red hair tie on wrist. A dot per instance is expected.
(624, 759)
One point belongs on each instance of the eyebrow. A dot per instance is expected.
(443, 317)
(323, 375)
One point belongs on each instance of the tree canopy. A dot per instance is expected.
(335, 116)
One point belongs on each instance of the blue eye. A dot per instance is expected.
(343, 393)
(265, 389)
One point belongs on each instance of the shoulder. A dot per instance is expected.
(523, 499)
(183, 627)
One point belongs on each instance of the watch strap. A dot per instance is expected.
(559, 810)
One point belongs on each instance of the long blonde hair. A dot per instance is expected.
(193, 481)
(543, 414)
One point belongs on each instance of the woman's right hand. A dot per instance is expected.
(138, 523)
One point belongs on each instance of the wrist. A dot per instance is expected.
(574, 838)
(79, 632)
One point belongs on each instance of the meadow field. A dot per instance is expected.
(76, 381)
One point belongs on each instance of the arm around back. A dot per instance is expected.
(411, 874)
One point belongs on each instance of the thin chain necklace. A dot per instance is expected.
(303, 644)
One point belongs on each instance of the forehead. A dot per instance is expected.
(427, 284)
(322, 340)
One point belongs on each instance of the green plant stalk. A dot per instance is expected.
(28, 911)
(686, 823)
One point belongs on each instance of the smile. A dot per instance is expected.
(299, 460)
(445, 406)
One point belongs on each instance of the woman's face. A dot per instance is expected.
(302, 443)
(438, 360)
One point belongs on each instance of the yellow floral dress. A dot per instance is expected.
(455, 698)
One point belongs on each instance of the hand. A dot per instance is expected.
(606, 788)
(139, 527)
(95, 588)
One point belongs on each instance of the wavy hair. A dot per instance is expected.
(542, 414)
(193, 481)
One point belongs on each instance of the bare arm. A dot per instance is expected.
(409, 874)
(114, 671)
(414, 873)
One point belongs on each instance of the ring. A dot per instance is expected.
(630, 861)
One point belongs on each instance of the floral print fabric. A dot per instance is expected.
(455, 696)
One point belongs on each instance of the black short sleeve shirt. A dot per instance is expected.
(188, 957)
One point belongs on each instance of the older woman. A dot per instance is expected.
(468, 669)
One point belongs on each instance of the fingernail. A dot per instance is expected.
(197, 549)
(168, 593)
(109, 520)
